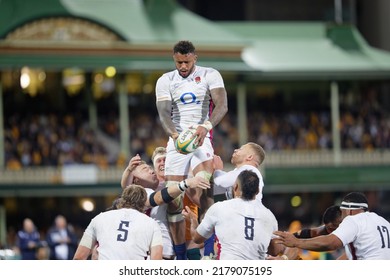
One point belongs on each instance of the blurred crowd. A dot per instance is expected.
(49, 140)
(313, 130)
(53, 139)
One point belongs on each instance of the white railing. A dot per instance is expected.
(327, 158)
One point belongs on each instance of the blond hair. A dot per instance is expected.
(259, 152)
(158, 152)
(133, 196)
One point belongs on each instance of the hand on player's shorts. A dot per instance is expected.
(188, 214)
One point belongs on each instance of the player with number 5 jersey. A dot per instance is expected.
(125, 233)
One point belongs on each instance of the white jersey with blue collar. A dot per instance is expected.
(190, 96)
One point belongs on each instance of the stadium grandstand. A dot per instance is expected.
(77, 101)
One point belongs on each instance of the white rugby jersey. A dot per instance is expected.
(244, 228)
(124, 234)
(366, 236)
(159, 214)
(191, 98)
(225, 180)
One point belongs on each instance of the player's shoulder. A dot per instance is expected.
(352, 221)
(371, 218)
(248, 167)
(169, 76)
(220, 205)
(231, 203)
(104, 215)
(206, 70)
(262, 208)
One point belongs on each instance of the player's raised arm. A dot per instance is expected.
(169, 193)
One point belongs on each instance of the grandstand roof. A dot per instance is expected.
(135, 21)
(309, 50)
(135, 35)
(128, 34)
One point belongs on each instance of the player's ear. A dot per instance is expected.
(236, 189)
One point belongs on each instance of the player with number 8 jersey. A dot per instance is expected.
(243, 225)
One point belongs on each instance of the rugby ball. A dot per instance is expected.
(185, 144)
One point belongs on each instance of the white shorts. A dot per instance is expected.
(180, 165)
(167, 241)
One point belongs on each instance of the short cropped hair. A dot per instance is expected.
(133, 196)
(331, 214)
(259, 152)
(356, 197)
(249, 183)
(184, 47)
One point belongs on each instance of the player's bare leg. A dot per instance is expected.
(205, 199)
(176, 222)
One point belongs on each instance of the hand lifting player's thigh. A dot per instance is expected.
(203, 198)
(195, 195)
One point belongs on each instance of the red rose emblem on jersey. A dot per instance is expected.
(197, 79)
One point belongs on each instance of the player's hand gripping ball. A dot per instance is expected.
(185, 144)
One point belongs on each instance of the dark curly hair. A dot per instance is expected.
(249, 184)
(331, 214)
(183, 47)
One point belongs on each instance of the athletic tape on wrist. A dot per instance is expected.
(284, 257)
(208, 125)
(183, 186)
